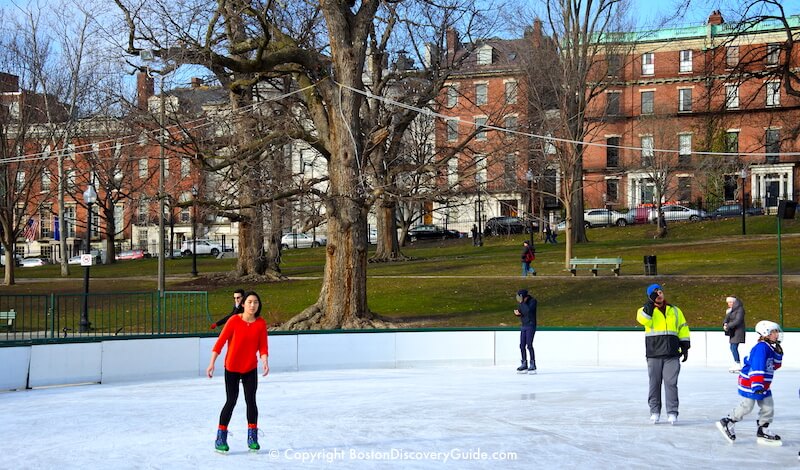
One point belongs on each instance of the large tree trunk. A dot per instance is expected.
(387, 244)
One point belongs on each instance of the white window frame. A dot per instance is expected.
(481, 93)
(684, 144)
(452, 129)
(648, 147)
(683, 106)
(143, 168)
(773, 54)
(452, 172)
(515, 123)
(731, 96)
(481, 168)
(652, 103)
(47, 180)
(510, 91)
(731, 56)
(452, 95)
(648, 63)
(773, 92)
(186, 167)
(484, 55)
(685, 61)
(481, 122)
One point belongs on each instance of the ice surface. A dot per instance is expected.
(399, 418)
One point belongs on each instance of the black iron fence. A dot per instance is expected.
(56, 317)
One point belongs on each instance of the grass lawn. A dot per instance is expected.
(453, 284)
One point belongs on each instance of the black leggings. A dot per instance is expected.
(250, 384)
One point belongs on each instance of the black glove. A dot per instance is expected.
(654, 295)
(648, 307)
(685, 355)
(777, 348)
(760, 391)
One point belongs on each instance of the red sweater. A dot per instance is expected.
(244, 341)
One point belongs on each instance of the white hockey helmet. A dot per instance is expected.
(765, 327)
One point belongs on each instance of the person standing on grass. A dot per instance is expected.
(526, 311)
(734, 329)
(527, 257)
(666, 340)
(246, 335)
(238, 295)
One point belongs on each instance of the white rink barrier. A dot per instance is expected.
(168, 358)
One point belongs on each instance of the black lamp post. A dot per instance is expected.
(478, 181)
(89, 197)
(743, 175)
(529, 177)
(194, 231)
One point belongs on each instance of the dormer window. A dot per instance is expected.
(485, 55)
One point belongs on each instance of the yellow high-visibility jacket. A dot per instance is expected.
(666, 332)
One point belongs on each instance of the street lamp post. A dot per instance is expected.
(529, 177)
(478, 181)
(194, 231)
(89, 197)
(743, 175)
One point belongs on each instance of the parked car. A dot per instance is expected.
(673, 212)
(17, 259)
(431, 232)
(96, 254)
(373, 236)
(598, 217)
(302, 240)
(32, 262)
(204, 247)
(130, 254)
(508, 225)
(734, 210)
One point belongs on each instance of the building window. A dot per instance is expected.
(773, 93)
(772, 145)
(685, 100)
(732, 96)
(732, 142)
(685, 149)
(480, 125)
(144, 211)
(452, 130)
(549, 145)
(69, 222)
(612, 190)
(119, 221)
(773, 54)
(480, 168)
(95, 222)
(485, 55)
(732, 56)
(452, 172)
(511, 92)
(510, 171)
(452, 96)
(186, 167)
(647, 151)
(648, 63)
(19, 183)
(46, 251)
(142, 242)
(46, 222)
(481, 93)
(614, 65)
(612, 103)
(142, 168)
(684, 188)
(47, 179)
(511, 124)
(612, 152)
(647, 101)
(685, 61)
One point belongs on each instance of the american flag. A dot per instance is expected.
(30, 229)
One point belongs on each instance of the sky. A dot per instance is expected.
(454, 417)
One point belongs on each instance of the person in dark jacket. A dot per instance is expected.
(666, 340)
(526, 311)
(734, 328)
(527, 257)
(238, 298)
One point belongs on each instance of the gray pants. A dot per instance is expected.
(766, 409)
(663, 370)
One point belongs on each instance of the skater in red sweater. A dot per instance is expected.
(246, 335)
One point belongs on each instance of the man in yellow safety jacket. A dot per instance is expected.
(666, 340)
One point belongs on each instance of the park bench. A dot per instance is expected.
(8, 318)
(592, 264)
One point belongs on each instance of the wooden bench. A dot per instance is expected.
(593, 263)
(8, 317)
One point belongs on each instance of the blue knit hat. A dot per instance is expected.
(522, 292)
(651, 288)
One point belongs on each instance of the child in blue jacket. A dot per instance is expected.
(754, 383)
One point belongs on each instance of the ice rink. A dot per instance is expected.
(480, 417)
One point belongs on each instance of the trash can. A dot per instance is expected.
(650, 268)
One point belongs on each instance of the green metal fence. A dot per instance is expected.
(57, 317)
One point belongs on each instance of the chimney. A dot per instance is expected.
(716, 18)
(145, 88)
(452, 41)
(197, 82)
